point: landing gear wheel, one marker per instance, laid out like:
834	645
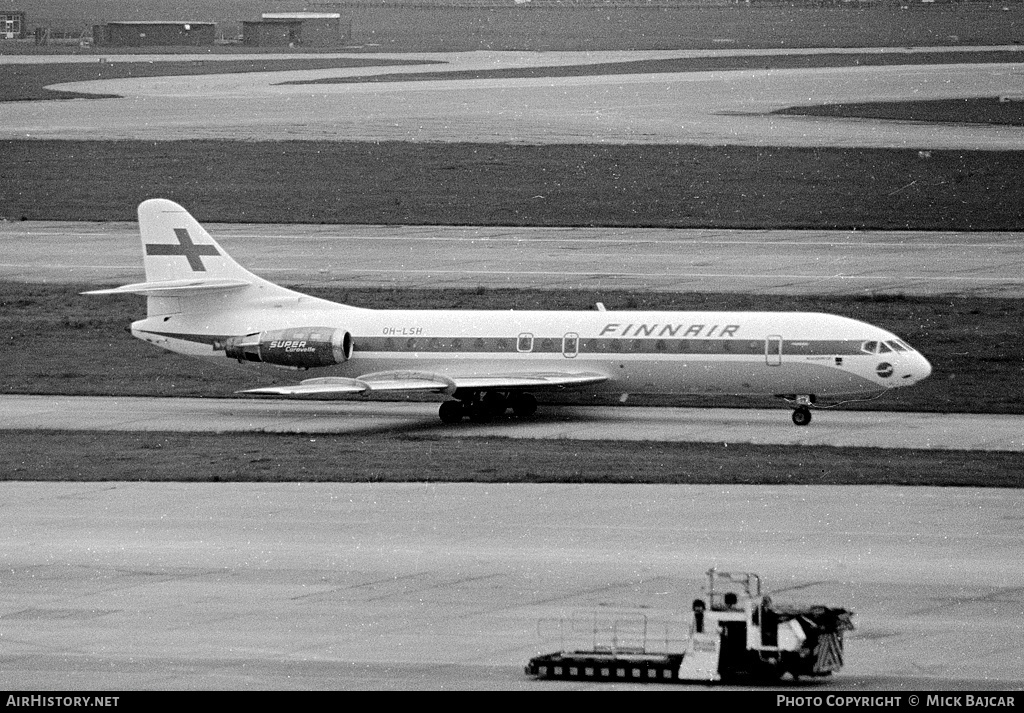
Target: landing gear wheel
801	416
523	405
479	412
451	411
495	403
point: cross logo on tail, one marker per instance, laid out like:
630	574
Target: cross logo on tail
184	247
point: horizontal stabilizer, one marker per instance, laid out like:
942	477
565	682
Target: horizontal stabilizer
173	288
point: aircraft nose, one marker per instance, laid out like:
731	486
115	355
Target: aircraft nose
920	368
925	367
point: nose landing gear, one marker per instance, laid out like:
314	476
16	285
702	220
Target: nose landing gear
801	415
801	407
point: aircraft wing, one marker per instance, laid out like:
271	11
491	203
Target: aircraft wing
411	381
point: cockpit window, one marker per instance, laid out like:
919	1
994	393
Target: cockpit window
895	344
869	347
884	348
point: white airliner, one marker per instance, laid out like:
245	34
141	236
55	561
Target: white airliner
202	303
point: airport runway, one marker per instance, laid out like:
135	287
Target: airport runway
134	586
710	108
871	429
759	261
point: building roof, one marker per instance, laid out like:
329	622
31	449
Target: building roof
273	21
158	22
301	15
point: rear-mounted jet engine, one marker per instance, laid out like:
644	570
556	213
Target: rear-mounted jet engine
302	348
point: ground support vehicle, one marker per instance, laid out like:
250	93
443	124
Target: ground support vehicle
736	634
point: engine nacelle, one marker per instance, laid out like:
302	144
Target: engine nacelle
300	348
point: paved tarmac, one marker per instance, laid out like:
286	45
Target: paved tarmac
711	108
872	429
486	59
761	261
130	586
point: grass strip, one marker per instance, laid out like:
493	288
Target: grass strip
402	183
989	110
59	456
28	82
694	64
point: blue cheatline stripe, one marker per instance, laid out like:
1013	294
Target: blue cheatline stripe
553	345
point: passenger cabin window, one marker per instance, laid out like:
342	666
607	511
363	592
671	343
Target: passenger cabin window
525	343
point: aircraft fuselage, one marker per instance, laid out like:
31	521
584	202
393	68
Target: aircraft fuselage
749	353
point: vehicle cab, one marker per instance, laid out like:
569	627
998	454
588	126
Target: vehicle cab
738	632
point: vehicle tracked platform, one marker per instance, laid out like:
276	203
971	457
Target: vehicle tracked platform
594	666
736	634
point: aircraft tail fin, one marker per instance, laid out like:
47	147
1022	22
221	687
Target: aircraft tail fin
187	270
176	247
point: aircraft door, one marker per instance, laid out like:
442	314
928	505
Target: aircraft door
773	350
570	345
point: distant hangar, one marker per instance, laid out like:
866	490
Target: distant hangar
273	29
154	33
294	29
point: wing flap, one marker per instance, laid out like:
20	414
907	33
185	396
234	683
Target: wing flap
411	381
533	380
313	387
408	381
381	382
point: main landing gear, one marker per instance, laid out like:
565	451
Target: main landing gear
801	408
485	407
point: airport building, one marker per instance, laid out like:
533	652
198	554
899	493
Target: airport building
12	25
153	34
294	29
